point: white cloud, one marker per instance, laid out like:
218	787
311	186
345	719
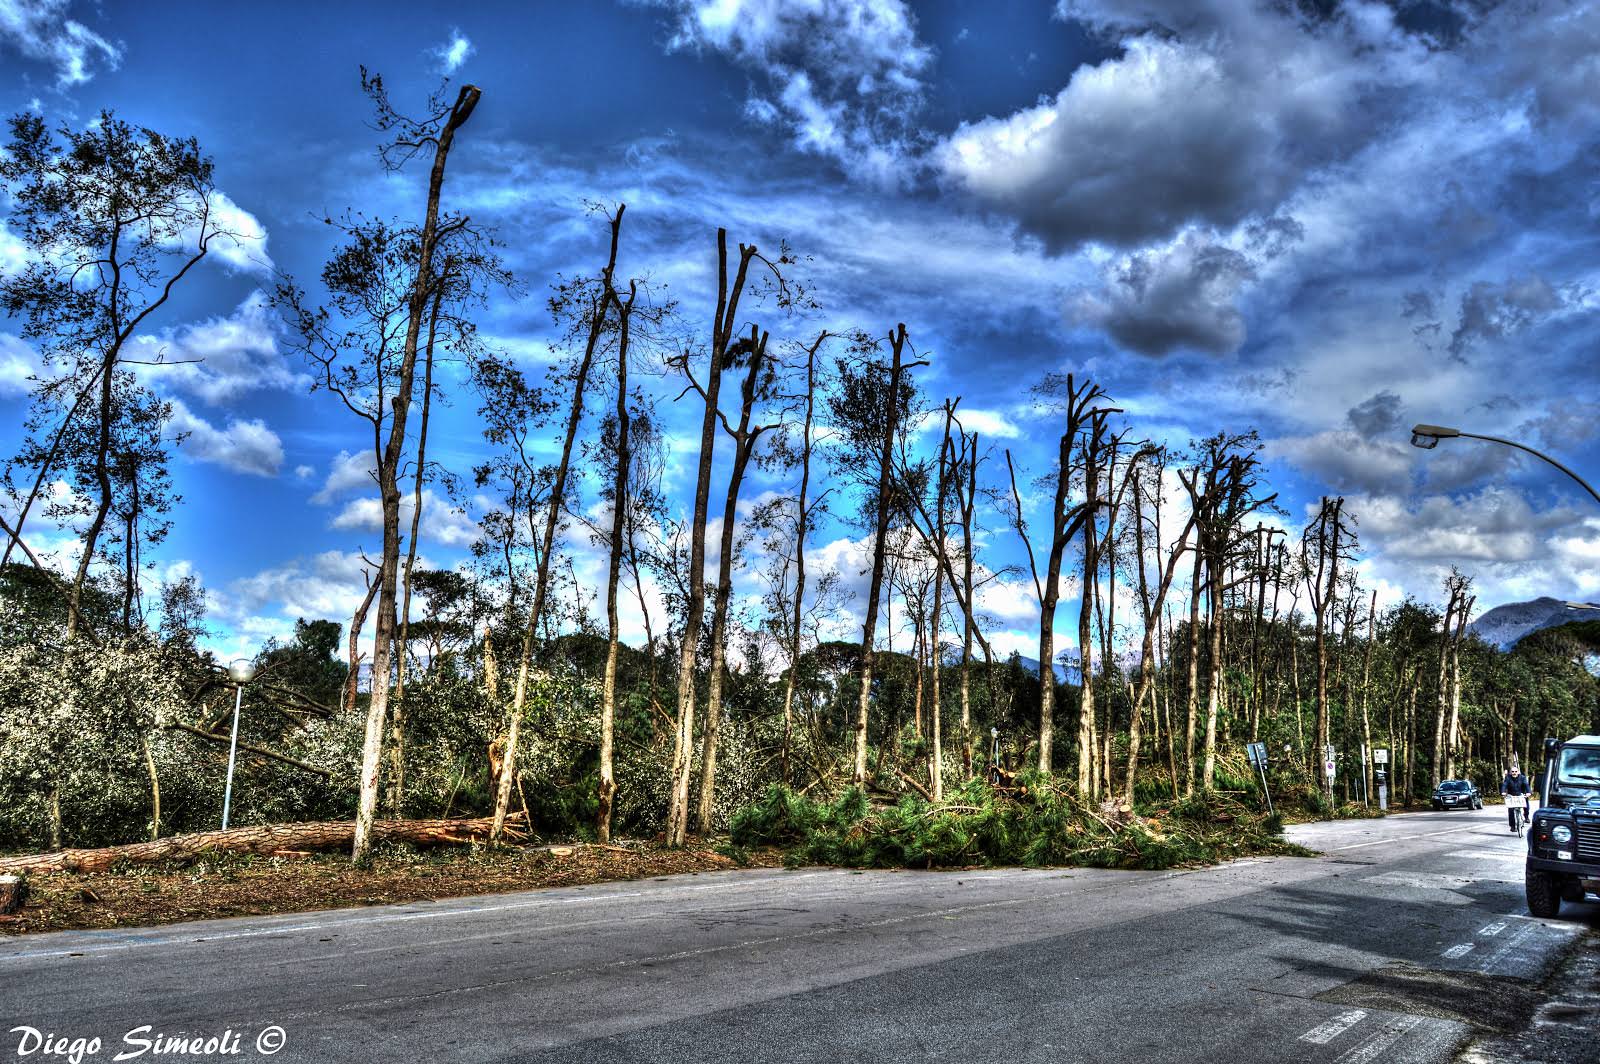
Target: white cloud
844	76
245	446
454	52
327	585
441	522
989	424
347	472
241	240
237	354
41	30
18	364
1511	549
13	252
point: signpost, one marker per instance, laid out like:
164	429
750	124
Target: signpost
1381	758
1258	758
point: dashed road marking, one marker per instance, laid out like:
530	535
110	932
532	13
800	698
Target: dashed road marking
1490	855
1324	1033
1421	880
1379	1042
1391	840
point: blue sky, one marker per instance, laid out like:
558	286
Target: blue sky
1321	227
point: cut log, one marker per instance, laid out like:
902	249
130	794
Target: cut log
264	839
13	892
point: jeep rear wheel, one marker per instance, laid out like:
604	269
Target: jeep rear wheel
1544	894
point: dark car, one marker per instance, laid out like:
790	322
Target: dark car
1564	839
1457	794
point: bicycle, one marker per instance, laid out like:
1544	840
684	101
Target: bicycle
1517	814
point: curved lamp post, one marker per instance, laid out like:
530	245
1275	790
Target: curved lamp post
1428	436
241	672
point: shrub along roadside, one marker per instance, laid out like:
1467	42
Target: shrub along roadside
1038	823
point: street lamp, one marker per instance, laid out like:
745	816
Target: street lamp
1427	437
241	672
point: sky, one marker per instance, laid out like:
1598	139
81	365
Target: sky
1322	221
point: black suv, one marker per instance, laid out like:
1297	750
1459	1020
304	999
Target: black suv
1457	794
1564	839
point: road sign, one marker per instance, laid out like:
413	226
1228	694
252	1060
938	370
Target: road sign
1258	758
1327	752
1380	757
1327	769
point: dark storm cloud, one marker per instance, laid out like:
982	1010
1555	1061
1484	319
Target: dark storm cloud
1378	415
1493	311
1176	298
1565	425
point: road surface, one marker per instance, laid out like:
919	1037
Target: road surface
1381	949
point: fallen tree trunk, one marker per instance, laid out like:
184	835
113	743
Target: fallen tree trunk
263	839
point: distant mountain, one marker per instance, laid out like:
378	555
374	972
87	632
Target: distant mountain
1504	625
1067	674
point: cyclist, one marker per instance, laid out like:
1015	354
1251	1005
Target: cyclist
1515	789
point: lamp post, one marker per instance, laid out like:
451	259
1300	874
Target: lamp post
1427	437
241	672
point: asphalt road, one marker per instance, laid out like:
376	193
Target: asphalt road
1363	954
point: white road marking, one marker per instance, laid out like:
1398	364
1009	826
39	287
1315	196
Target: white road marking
1379	1042
1493	929
1489	855
1421	880
1462	950
1404	838
1324	1033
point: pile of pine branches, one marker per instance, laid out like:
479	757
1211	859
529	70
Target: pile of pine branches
1038	822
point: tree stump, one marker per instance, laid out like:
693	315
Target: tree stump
13	892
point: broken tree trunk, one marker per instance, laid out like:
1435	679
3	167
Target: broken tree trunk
264	839
13	892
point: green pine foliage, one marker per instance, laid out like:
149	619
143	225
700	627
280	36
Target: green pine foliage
1039	823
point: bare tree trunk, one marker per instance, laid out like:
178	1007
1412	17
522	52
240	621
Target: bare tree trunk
802	522
744	443
897	342
358	621
1454	740
619	510
1217	608
1193	691
389	486
967	608
102	478
683	738
1366	680
155	790
397	748
56	832
546	545
1442	705
936	764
